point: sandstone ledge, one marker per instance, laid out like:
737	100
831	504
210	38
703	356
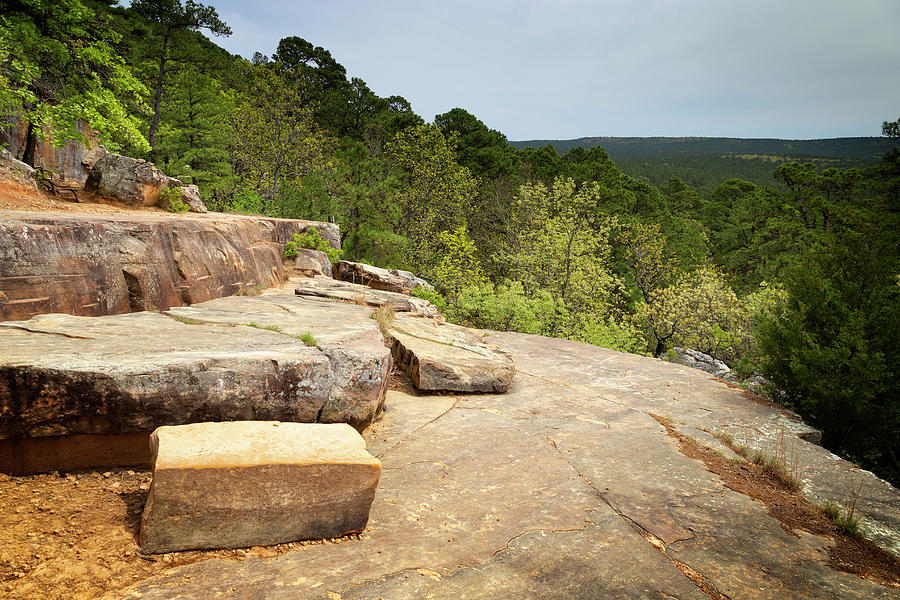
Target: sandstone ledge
93	265
61	375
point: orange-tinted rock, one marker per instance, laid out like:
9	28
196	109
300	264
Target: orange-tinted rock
231	485
96	265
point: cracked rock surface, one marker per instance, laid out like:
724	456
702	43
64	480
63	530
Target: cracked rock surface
564	487
61	374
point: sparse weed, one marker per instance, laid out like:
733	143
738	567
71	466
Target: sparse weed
832	510
384	316
185	320
254	290
308	339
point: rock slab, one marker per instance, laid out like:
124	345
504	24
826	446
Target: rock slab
441	356
93	265
389	280
61	374
232	485
325	287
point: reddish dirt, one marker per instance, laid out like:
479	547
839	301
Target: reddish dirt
74	535
15	198
850	553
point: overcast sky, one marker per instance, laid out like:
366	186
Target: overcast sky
541	69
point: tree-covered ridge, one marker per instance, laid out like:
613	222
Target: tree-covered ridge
869	149
793	272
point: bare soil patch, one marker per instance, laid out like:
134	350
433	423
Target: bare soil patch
15	198
74	535
850	553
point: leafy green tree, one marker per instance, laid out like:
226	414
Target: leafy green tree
832	349
273	136
169	18
559	249
891	128
434	191
191	144
58	67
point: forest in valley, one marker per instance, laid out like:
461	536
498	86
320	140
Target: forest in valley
793	272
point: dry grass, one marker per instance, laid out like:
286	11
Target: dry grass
384	316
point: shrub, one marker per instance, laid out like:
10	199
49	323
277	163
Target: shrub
171	198
431	296
310	239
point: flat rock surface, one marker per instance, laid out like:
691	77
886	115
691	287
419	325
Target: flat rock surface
442	356
61	374
248	483
326	287
344	334
551	491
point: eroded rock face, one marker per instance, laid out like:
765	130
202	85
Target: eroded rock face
358	361
61	374
234	485
16	174
312	262
441	356
99	265
325	287
127	180
67	166
389	280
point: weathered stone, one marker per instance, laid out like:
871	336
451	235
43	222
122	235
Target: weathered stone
345	334
127	180
312	262
190	195
389	280
99	265
230	485
15	174
67	166
61	374
441	356
325	287
704	362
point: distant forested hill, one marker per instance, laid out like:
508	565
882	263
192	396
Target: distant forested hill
705	163
869	149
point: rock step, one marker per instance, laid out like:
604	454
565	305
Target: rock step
63	375
93	265
441	356
326	287
232	485
389	280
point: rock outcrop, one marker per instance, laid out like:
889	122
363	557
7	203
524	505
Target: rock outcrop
15	174
441	356
96	265
136	182
325	287
310	263
389	280
704	362
345	334
61	374
66	167
234	485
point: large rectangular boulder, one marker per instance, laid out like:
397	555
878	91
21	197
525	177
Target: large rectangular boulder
231	485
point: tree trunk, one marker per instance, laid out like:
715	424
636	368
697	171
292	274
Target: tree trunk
30	145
